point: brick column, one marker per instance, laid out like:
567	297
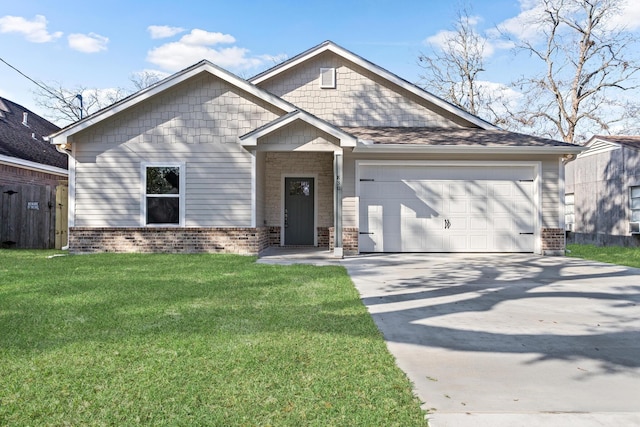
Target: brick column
553	241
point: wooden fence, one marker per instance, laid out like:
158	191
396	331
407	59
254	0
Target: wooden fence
28	216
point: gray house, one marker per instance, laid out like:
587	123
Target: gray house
602	192
326	149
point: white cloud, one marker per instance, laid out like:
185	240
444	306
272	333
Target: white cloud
205	38
442	39
88	43
163	31
629	16
35	30
199	45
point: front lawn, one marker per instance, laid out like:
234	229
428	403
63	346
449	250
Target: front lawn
611	254
216	340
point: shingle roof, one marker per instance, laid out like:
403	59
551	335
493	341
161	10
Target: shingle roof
25	142
450	137
628	140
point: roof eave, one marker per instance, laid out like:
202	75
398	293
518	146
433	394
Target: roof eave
251	139
181	76
463	149
27	164
330	46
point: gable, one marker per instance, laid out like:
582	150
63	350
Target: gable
203	109
362	94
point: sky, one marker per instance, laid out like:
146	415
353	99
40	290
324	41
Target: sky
101	44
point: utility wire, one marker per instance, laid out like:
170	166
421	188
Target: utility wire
40	85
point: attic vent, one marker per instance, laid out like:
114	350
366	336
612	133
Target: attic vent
328	78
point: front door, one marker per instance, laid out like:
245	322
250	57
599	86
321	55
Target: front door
298	211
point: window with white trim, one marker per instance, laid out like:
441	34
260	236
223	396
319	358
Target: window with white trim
569	211
328	78
163	188
634	201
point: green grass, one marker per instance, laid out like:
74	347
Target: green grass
133	339
611	254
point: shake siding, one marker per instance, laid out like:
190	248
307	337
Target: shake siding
360	98
196	123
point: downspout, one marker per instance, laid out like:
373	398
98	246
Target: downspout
337	174
60	149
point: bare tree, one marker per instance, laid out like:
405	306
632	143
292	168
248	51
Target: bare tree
587	67
67	105
144	79
452	69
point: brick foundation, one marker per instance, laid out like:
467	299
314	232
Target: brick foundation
244	241
349	240
322	236
553	241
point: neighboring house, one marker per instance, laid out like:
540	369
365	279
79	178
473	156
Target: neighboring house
602	192
325	149
33	181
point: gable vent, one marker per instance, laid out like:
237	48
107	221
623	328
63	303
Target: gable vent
327	78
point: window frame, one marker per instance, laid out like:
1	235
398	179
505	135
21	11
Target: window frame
569	225
181	194
332	73
631	199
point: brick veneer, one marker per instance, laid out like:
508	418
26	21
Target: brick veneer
245	241
349	240
553	241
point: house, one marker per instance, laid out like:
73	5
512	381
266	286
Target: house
602	192
326	149
33	181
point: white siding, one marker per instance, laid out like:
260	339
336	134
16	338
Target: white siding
197	123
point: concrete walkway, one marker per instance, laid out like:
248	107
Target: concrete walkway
510	340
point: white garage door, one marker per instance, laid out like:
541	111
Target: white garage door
446	209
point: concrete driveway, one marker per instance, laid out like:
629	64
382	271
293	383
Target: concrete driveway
510	340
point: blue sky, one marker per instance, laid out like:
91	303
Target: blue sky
100	44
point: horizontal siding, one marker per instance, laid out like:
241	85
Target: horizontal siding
109	183
551	194
197	123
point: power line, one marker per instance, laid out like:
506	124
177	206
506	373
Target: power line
40	85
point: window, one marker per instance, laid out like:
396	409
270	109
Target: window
328	78
569	211
163	194
635	204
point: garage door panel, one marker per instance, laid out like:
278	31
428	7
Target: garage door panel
447	209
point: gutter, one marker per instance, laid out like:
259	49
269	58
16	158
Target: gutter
368	147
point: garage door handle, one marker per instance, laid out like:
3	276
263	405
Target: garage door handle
366	232
447	224
527	233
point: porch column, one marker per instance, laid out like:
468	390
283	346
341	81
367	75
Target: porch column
337	204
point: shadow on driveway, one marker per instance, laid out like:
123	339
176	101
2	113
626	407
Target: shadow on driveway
496	333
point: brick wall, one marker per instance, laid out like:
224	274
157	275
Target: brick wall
304	164
244	241
349	240
553	241
14	175
323	237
